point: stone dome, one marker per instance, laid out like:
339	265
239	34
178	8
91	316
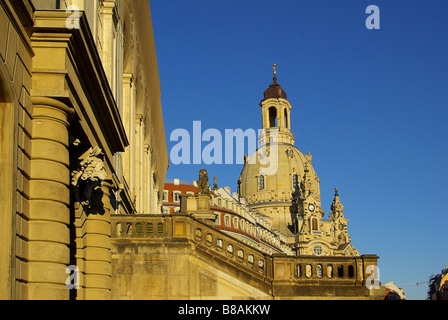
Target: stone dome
276	197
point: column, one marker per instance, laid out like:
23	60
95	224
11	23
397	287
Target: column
129	125
97	250
107	53
139	164
93	188
49	236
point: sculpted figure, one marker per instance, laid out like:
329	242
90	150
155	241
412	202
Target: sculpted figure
203	182
90	173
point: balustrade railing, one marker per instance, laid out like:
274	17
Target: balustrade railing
300	269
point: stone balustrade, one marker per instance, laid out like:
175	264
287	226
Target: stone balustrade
168	227
347	271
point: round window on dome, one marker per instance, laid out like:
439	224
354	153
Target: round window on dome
317	250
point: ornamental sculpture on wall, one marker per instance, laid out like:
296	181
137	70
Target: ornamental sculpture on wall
90	173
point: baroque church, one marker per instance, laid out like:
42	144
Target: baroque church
290	197
86	211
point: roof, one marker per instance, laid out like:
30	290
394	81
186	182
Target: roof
275	91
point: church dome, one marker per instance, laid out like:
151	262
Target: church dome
289	162
275	91
273	196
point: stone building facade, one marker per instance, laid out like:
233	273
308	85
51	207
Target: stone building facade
81	121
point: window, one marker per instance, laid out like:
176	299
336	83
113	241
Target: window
272	117
217	219
209	240
198	234
176	196
308	271
139	229
286	119
235	222
298	270
295	181
219	243
319	271
241	254
351	271
160	229
330	271
227	221
250	259
317	250
314	224
230	249
261	183
149	229
219	202
165	195
340	271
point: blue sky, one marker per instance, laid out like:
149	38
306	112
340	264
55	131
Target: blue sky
370	105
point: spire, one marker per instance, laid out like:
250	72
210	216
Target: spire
215	184
305	185
337	208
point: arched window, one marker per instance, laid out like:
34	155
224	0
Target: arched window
209	240
227	220
286	119
149	229
340	271
319	271
295	181
314	224
272	117
308	271
298	270
330	271
219	243
139	229
351	271
261	183
160	229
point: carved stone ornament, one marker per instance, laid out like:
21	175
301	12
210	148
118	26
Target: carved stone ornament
337	208
90	173
203	182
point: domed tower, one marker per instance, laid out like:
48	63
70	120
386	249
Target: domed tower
279	181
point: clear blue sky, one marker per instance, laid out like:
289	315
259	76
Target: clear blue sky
370	105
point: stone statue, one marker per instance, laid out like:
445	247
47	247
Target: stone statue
90	173
203	182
